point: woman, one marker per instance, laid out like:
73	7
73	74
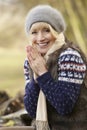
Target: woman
56	67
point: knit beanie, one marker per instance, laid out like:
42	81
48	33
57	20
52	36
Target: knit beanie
47	14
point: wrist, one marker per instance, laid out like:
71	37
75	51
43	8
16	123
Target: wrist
43	72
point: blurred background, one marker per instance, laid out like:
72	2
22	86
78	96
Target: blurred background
13	39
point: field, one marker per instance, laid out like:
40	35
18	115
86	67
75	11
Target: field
12	52
11	71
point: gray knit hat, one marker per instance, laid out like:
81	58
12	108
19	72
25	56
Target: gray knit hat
45	13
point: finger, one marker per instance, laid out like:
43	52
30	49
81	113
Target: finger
34	53
28	48
28	51
30	61
29	57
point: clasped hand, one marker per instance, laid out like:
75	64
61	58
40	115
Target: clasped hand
36	61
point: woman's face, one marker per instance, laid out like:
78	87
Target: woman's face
41	37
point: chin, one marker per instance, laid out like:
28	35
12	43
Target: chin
42	52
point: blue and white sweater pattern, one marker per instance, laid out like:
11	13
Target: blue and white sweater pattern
61	94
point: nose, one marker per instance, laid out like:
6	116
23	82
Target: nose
40	37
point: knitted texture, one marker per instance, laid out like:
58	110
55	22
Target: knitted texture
45	13
62	94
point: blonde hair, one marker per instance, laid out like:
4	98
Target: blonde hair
54	32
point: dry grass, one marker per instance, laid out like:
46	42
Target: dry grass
12	53
11	71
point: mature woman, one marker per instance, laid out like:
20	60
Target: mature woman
55	67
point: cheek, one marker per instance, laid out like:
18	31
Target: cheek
51	37
33	40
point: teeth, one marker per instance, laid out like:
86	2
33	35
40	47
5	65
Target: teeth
43	44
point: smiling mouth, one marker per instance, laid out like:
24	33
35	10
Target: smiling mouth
43	44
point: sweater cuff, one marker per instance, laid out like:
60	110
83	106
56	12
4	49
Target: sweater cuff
32	85
44	78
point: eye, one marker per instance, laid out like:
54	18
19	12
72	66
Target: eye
46	29
33	32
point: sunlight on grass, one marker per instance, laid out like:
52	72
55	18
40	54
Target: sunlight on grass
11	71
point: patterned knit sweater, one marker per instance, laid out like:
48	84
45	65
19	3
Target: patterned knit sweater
61	94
